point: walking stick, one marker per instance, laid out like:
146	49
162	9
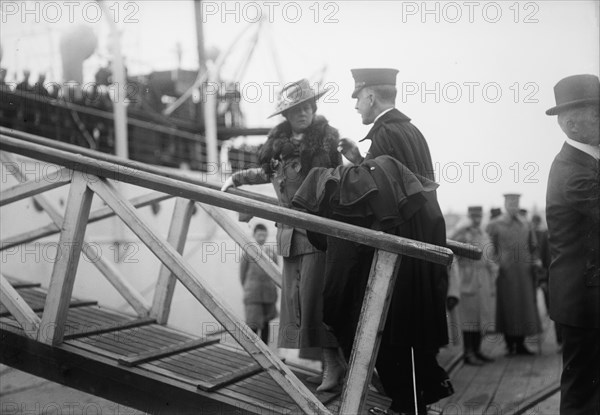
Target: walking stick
414	378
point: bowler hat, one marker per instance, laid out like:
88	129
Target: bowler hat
575	91
371	77
295	94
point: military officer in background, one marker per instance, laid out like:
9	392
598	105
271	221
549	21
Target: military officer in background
477	279
516	307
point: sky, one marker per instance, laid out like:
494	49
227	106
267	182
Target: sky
475	77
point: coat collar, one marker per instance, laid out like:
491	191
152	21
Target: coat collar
506	218
393	116
577	156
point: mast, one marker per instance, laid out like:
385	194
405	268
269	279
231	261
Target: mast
209	92
119	78
199	35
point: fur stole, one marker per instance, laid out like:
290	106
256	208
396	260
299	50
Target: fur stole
317	149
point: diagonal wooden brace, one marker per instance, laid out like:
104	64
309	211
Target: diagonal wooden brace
167	254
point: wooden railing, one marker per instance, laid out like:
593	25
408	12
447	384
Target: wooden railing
92	173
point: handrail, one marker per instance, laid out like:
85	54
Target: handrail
458	248
159	182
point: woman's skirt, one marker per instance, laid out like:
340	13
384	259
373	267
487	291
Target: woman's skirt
301	312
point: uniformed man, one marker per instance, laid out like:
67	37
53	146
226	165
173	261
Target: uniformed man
516	308
417	315
477	279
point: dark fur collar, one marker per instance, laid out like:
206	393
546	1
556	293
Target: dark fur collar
317	149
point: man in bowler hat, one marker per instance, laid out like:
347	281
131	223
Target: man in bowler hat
416	320
573	216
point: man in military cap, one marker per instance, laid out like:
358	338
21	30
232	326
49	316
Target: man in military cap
573	216
416	319
392	133
515	246
495	212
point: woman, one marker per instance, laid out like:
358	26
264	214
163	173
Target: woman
303	141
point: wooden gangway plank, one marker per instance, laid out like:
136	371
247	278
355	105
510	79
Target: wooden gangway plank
17	283
93	175
104	337
36	298
165	351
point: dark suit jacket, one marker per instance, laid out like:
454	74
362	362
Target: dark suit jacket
573	215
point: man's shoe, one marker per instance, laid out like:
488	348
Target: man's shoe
472	361
511	350
483	358
523	351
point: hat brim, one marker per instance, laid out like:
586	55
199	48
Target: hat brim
572	104
309	98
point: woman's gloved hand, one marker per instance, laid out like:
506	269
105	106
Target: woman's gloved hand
228	183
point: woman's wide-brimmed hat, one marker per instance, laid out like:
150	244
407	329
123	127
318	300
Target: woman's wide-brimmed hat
295	94
575	91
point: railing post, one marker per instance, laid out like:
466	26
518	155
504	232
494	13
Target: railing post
112	274
67	259
378	295
165	286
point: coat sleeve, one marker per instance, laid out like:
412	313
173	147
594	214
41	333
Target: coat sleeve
583	193
492	232
250	176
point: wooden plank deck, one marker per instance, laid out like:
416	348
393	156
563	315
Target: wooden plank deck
107	342
225	376
507	385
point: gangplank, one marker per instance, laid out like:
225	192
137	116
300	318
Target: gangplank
138	360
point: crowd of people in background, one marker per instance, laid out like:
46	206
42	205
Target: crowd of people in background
25	106
498	294
81	114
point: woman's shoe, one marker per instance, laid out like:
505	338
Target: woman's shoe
523	351
483	358
471	360
316	379
334	369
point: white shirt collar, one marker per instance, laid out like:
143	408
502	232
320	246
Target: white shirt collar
593	151
382	114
